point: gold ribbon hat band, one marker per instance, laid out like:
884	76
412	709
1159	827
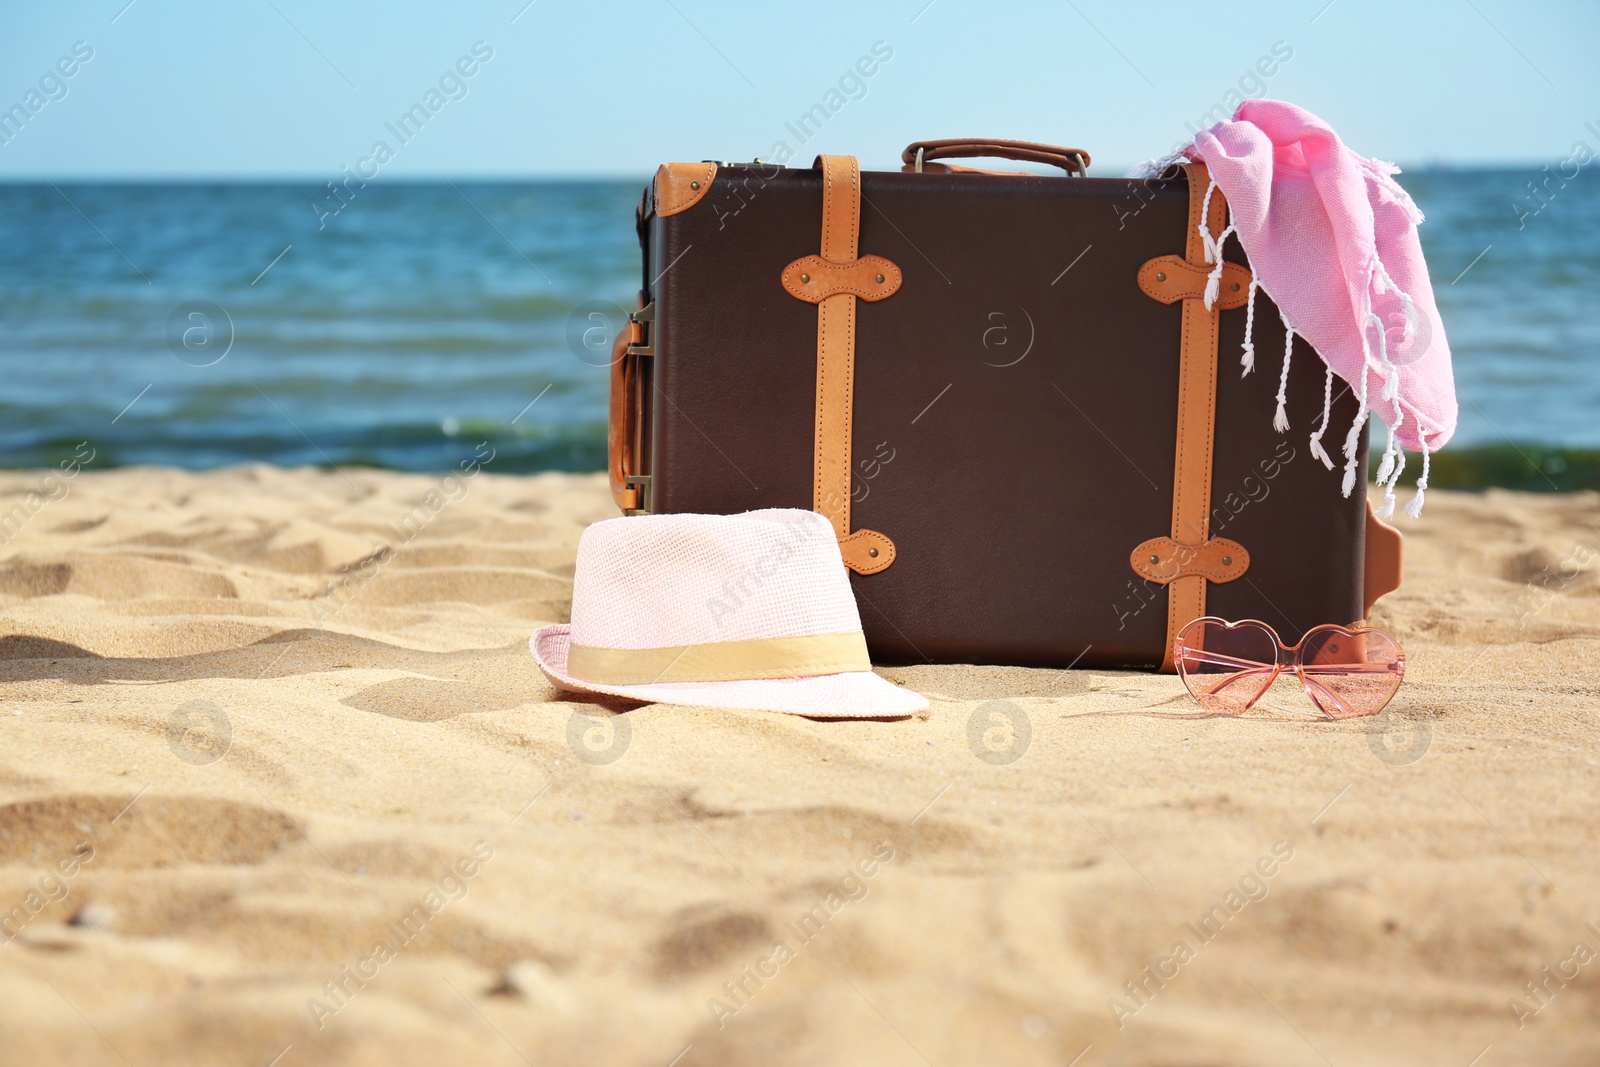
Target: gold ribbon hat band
722	661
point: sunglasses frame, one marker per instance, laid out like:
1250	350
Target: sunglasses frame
1288	659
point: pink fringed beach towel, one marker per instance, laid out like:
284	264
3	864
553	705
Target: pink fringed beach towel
1332	238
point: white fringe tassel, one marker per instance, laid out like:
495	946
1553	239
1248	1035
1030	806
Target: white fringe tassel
1386	283
1387	508
1414	505
1379	282
1247	357
1317	451
1208	242
1214	279
1155	168
1394	461
1280	418
1352	439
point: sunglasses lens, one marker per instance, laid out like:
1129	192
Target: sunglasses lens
1226	668
1350	674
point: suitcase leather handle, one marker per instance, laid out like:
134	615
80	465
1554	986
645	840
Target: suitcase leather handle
625	427
619	420
917	153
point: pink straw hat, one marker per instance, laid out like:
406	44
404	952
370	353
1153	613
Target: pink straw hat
726	611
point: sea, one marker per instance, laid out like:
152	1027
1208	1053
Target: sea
206	324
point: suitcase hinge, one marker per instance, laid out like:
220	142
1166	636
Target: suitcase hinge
641	325
637	501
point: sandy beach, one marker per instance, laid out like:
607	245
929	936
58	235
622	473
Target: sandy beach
281	785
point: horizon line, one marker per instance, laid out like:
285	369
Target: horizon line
177	177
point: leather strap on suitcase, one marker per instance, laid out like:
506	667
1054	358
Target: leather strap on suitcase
1190	557
1197	413
834	281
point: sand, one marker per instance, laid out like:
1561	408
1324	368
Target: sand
280	784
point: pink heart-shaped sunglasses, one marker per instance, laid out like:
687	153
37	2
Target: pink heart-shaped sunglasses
1347	671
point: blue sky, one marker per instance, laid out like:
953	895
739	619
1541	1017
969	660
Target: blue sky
293	88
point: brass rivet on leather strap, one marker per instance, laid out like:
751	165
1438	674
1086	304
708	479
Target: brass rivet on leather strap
880	279
806	278
694	185
1155	559
1161	275
1235	287
1227	561
872	552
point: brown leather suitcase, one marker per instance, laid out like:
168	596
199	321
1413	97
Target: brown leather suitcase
978	377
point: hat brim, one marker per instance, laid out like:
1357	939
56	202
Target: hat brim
854	695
